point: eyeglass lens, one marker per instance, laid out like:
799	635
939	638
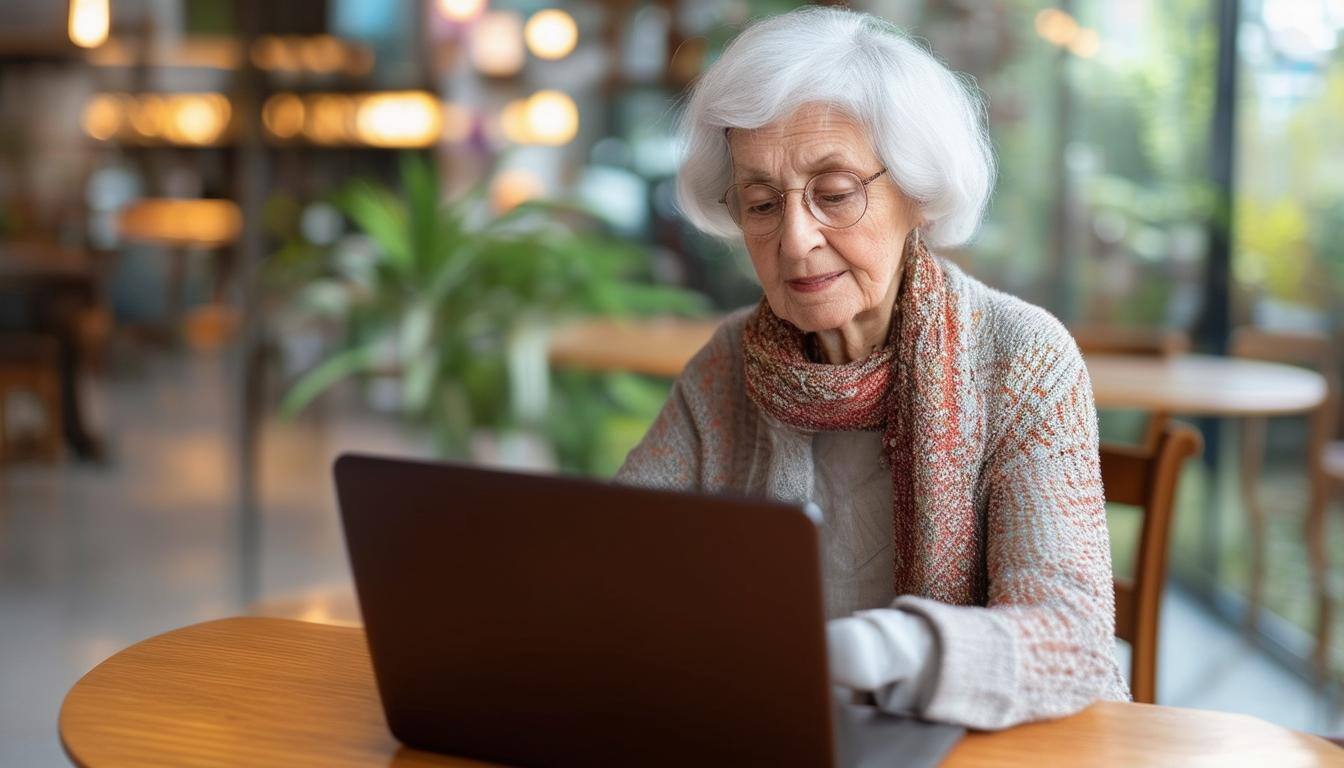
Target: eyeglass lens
837	199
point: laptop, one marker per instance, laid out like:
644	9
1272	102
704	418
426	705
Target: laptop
538	620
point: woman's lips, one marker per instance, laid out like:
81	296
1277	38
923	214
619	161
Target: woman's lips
814	283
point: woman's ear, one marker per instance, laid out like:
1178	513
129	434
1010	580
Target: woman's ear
915	214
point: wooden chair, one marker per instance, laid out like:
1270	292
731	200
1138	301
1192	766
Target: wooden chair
1146	476
1115	340
1143	342
29	363
1325	468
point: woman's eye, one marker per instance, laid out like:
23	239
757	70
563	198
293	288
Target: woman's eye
833	198
764	208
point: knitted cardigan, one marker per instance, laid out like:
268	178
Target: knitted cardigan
1035	639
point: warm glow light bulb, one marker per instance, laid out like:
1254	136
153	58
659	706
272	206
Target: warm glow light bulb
323	54
461	10
552	118
89	22
148	116
1055	26
283	115
399	119
514	122
551	34
513	187
103	117
497	44
1086	43
327	119
198	119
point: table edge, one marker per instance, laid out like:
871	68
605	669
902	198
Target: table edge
232	620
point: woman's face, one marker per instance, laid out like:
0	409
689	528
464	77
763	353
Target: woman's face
821	278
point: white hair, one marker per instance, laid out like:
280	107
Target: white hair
926	124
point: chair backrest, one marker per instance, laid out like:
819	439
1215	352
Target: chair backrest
1146	477
1312	350
1117	340
1146	342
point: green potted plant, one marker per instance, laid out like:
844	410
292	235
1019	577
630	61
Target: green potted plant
454	302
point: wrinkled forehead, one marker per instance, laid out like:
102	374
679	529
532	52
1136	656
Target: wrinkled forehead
811	138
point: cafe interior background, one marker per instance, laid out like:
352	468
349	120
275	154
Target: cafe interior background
238	238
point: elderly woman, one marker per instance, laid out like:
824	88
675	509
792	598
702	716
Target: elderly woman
946	430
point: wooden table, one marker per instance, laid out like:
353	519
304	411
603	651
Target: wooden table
180	226
262	692
183	223
1192	385
1204	385
658	347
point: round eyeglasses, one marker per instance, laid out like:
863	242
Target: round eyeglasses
837	199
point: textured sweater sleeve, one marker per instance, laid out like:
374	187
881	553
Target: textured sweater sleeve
1043	646
668	456
690	445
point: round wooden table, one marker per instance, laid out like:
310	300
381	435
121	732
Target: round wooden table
274	692
1204	385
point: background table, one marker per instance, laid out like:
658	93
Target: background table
1203	385
262	692
659	347
180	227
1192	385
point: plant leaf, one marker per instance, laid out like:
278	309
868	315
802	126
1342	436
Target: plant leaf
327	373
382	216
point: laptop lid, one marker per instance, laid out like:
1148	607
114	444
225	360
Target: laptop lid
531	619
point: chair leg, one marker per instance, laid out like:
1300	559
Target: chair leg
1314	532
4	422
1252	455
1143	671
1323	424
50	395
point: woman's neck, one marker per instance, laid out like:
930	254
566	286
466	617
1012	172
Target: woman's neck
861	336
849	342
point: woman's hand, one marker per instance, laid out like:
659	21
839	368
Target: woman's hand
887	652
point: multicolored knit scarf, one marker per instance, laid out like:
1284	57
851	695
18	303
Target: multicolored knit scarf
909	390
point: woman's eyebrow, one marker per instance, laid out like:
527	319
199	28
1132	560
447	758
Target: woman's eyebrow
825	161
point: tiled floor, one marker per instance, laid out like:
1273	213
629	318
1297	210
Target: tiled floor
95	558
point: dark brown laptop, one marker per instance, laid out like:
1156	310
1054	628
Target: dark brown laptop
550	621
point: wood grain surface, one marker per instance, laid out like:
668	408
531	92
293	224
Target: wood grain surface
273	692
236	692
1143	735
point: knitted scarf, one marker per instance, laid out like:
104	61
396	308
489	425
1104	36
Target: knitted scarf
909	390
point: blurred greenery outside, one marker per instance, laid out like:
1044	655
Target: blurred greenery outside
1137	154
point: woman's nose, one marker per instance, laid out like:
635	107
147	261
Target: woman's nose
800	232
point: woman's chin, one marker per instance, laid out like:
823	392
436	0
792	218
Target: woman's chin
817	311
814	320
